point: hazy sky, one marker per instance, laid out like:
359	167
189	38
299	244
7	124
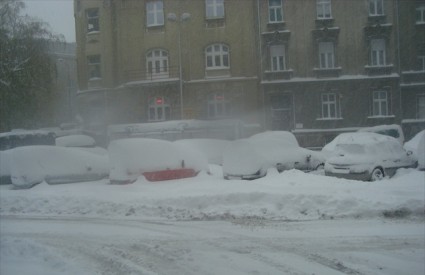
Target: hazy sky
58	13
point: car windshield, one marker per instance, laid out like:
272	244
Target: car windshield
351	148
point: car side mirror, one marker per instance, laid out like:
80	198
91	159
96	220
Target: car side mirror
308	157
409	153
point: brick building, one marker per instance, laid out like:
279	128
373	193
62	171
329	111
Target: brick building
314	67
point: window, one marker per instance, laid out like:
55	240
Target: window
326	55
377	52
275	11
329	105
323	9
421	62
218	106
154	13
380	103
92	20
157	64
217	56
421	106
214	8
277	54
159	109
93	62
376	7
420	14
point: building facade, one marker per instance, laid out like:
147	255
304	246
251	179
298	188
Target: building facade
314	67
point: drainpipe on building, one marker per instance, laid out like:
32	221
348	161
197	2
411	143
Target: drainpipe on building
260	54
397	14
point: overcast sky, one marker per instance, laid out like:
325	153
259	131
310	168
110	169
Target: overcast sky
58	13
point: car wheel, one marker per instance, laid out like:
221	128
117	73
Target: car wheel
377	174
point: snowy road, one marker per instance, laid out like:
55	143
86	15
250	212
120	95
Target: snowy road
60	245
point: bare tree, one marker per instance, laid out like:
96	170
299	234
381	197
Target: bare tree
26	70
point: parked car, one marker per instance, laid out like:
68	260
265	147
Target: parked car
251	158
155	159
417	146
20	137
366	156
30	165
213	149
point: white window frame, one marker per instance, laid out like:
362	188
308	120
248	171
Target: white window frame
378	52
420	106
92	20
380	103
217	56
157	64
326	55
376	8
214	9
330	106
154	13
421	60
275	11
159	109
420	14
277	58
218	106
324	9
94	67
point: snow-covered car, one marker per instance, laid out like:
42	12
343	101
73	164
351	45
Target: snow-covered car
417	146
213	149
30	165
366	156
155	159
251	158
21	137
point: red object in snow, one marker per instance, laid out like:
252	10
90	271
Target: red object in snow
170	174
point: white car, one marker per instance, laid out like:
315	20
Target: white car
366	156
155	159
251	158
30	165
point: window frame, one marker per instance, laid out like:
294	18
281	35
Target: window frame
321	7
93	20
161	111
326	51
222	55
152	60
277	62
420	109
329	105
157	12
421	62
374	6
421	11
217	8
379	102
378	52
94	63
220	104
276	11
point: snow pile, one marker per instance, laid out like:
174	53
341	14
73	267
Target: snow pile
291	195
75	141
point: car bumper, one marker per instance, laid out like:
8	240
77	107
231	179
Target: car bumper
363	176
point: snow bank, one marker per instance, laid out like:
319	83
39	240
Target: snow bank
291	195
